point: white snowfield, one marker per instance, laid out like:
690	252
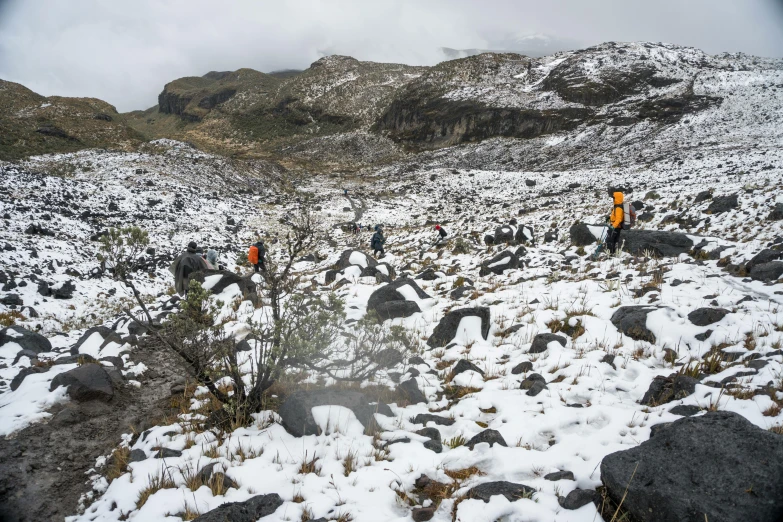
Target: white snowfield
590	407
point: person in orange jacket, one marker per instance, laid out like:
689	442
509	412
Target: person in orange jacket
616	219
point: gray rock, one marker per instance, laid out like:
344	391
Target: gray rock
463	365
771	271
522	367
541	342
460	292
446	329
685	410
491	437
137	455
395	309
26	339
431	433
345	257
722	204
167	453
64	291
777	213
765	256
388	293
660	242
707	316
717	466
525	234
246	284
632	321
422	514
704	195
85	383
24	372
434	445
11	300
559	475
410	390
703	336
105	332
504	234
666	389
536	388
248	511
581	235
578	498
505	260
509	490
297	416
424	418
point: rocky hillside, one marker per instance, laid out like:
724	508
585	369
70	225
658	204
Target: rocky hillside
32	124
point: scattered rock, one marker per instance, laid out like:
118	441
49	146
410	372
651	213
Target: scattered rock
463	365
505	260
447	328
491	437
247	511
424	418
685	410
167	453
522	367
24	372
388	293
355	258
541	342
659	242
581	235
509	490
85	383
722	204
504	234
717	466
707	316
777	213
137	455
559	475
667	389
26	339
771	271
410	390
578	498
434	445
245	284
632	321
297	416
703	336
422	514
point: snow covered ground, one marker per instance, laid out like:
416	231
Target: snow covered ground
590	407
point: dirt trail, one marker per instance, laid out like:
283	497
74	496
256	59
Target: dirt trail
42	468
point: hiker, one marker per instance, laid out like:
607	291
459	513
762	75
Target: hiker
616	219
256	256
441	234
212	260
185	264
345	192
377	242
354	228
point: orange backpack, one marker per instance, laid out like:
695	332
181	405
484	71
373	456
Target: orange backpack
252	255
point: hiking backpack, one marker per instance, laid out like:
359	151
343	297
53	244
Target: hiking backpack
252	255
629	215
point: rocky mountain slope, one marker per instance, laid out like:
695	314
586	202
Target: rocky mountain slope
539	380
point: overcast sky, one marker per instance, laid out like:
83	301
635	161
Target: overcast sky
124	51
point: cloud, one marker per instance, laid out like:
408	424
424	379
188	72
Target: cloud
124	51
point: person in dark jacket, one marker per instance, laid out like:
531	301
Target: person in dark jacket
261	265
377	241
185	264
441	234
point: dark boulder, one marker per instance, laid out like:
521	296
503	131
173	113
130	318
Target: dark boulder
11	300
345	259
463	365
447	327
248	511
297	416
410	391
388	293
167	453
722	204
657	242
578	498
666	389
765	256
491	437
137	455
717	466
424	418
433	445
777	213
707	316
26	339
489	240
460	292
541	342
395	309
534	384
63	291
522	367
19	377
504	234
525	235
509	490
245	284
85	383
559	475
106	333
530	182
685	410
550	236
704	195
581	235
771	271
505	260
632	321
